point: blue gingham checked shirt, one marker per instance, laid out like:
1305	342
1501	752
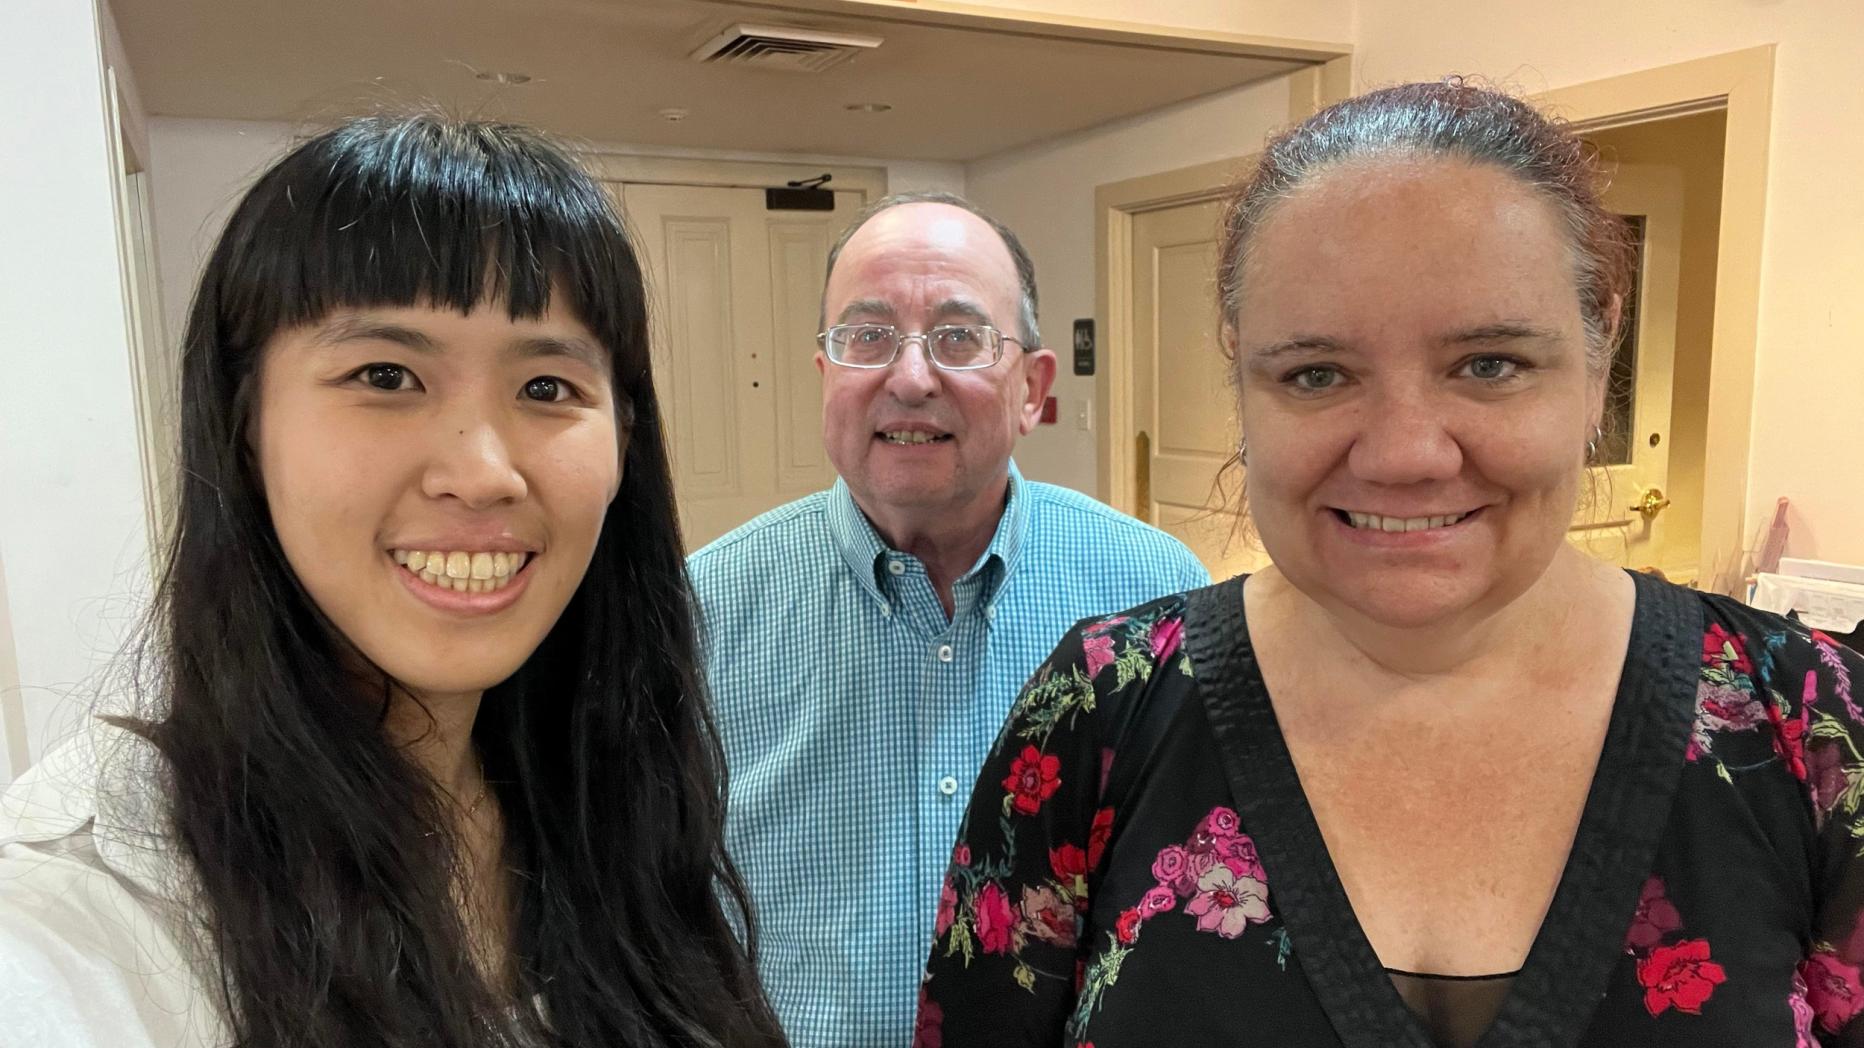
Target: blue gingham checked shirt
855	718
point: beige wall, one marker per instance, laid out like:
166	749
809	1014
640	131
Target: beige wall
1318	20
1692	145
1809	383
1045	193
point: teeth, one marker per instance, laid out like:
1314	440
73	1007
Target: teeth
908	437
1374	522
460	570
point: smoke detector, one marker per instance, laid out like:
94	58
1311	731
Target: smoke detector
783	47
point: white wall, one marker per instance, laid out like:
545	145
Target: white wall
1045	193
72	524
1808	436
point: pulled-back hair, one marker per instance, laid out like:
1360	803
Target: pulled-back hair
324	860
1456	119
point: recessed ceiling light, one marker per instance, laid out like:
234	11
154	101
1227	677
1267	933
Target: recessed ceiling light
867	107
491	76
674	114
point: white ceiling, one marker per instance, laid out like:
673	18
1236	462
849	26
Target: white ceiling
604	69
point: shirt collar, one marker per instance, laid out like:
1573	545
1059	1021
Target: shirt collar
861	546
112	780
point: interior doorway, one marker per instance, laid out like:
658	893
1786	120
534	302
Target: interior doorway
735	291
1647	498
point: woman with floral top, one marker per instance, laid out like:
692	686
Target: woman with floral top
1437	778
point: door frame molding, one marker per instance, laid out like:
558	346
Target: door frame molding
1115	206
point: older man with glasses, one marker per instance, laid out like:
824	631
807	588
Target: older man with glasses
863	644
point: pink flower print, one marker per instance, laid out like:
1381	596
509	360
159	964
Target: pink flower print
961	855
1170	868
1802	1015
1099	652
1220	823
1047	917
1656	917
947	909
1196	865
1841	676
1239	854
995	920
1226	903
1825	773
1158	899
1166	637
1721	709
1832	988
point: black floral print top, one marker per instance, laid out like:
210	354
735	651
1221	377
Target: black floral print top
1139	865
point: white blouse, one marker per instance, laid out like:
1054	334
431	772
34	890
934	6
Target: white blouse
97	949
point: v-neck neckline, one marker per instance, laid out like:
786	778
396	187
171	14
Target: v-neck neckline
1552	999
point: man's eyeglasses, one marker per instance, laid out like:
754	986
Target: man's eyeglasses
952	347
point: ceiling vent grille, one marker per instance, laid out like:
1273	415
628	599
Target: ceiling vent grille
788	48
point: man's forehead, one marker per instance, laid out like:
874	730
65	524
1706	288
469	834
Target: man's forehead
925	238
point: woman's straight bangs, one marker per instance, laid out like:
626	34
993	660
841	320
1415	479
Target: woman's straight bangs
423	212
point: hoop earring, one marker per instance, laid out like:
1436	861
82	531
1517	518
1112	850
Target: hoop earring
1242	452
1592	446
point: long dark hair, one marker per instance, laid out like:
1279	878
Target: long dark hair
324	864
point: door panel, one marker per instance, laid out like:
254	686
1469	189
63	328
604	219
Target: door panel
798	257
735	296
1183	402
698	323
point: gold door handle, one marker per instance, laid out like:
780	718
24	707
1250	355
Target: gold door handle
1651	504
1142	476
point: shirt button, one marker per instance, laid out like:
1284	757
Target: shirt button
898	567
944	653
948	785
990	611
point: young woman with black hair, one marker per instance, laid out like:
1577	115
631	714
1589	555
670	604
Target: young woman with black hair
420	756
